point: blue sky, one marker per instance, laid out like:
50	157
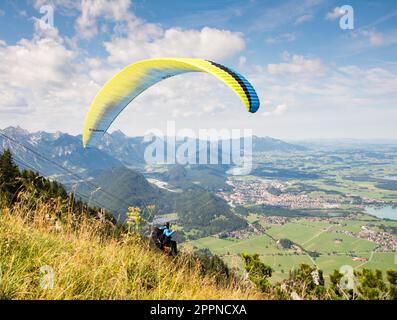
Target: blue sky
314	79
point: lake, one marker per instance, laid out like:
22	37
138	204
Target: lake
392	178
388	212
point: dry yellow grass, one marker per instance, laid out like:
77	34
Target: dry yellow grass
89	265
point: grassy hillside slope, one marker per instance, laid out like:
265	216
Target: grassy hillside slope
88	264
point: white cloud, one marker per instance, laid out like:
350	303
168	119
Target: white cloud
285	55
151	41
91	10
364	39
304	18
298	65
285	37
346	101
35	64
48	82
373	82
336	13
192	95
70	4
68	8
372	38
285	12
13	102
242	61
42	82
181	113
278	111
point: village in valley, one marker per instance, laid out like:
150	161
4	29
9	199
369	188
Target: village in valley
319	219
272	193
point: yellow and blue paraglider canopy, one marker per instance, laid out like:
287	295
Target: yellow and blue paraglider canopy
126	85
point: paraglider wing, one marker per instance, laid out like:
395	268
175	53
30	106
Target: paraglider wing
118	92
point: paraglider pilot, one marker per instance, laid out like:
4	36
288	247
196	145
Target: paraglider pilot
166	238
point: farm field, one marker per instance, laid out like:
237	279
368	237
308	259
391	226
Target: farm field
383	261
328	242
258	244
317	199
283	264
335	249
339	172
296	232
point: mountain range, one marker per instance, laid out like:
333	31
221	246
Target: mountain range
113	176
116	149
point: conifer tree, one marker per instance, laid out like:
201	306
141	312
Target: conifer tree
9	174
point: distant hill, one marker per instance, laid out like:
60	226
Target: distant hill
209	177
204	214
43	227
115	149
121	188
59	148
128	150
264	144
197	208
